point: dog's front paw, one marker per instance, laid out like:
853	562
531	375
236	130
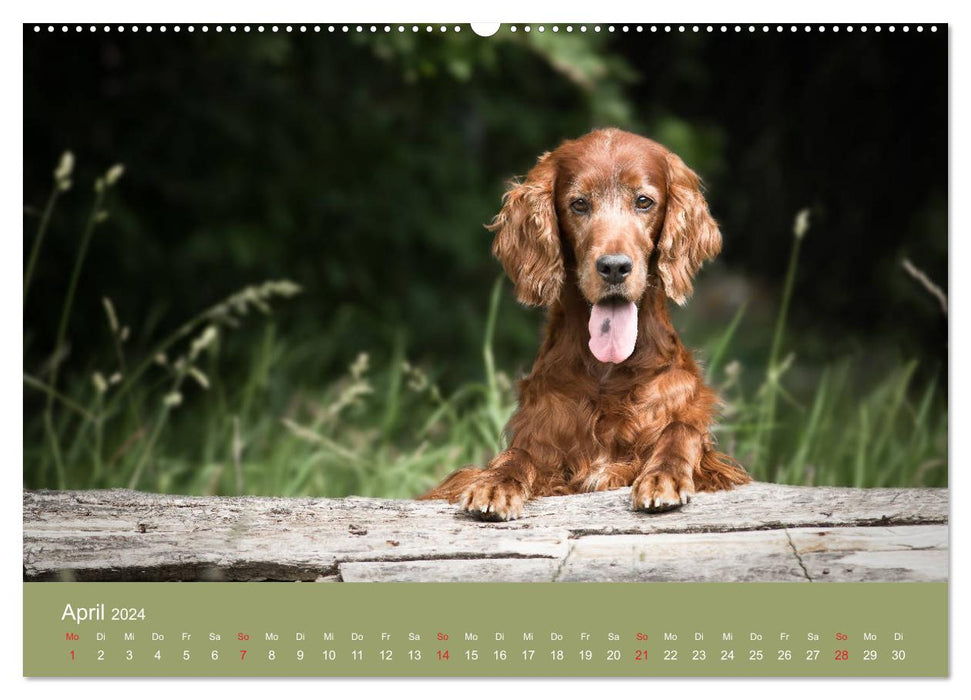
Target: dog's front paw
661	489
492	498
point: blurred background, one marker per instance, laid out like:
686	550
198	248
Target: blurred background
286	288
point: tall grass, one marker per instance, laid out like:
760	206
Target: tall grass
172	419
893	433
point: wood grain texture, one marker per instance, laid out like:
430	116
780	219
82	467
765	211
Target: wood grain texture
760	532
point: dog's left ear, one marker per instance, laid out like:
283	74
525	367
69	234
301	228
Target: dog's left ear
689	236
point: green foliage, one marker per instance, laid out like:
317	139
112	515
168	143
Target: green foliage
890	434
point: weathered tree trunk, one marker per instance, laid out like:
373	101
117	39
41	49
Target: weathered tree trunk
760	532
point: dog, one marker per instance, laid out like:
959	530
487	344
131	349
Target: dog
602	232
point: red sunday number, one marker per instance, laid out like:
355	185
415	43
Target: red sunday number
842	655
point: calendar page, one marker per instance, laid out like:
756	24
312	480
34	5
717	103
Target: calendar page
512	350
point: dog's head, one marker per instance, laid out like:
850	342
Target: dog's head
617	212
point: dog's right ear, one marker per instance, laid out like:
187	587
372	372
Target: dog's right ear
527	241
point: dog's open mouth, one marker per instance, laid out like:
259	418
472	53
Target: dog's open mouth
613	329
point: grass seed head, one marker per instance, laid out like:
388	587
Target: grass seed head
201	379
801	224
99	382
114	174
62	174
110	313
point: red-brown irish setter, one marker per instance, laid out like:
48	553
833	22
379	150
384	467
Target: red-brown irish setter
602	230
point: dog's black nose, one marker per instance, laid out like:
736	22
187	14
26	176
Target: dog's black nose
614	268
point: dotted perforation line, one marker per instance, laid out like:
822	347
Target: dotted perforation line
734	28
258	28
443	29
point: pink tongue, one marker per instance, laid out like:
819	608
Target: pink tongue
613	331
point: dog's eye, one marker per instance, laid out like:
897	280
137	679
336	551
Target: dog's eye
580	206
643	203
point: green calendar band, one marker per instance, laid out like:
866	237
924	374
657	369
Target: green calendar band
501	629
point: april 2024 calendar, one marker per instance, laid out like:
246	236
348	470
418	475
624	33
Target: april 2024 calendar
222	496
428	629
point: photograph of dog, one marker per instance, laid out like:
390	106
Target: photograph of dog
603	231
260	279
